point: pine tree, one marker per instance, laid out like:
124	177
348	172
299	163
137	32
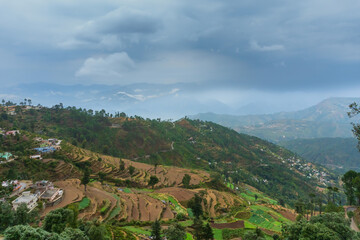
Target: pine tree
208	232
86	177
156	230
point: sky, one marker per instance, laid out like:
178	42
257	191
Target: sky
212	55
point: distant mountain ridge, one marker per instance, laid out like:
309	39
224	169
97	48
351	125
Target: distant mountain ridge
335	153
327	119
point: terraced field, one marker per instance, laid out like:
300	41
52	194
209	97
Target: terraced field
168	176
267	218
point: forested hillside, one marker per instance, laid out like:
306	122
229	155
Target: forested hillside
184	143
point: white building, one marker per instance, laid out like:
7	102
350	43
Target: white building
28	198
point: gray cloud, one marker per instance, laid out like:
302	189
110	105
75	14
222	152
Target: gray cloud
107	68
278	45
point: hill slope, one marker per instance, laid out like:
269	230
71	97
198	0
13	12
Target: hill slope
326	119
336	153
185	143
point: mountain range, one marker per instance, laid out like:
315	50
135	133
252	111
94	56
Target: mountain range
327	119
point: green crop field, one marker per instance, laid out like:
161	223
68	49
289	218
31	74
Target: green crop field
175	204
262	217
250	196
137	230
217	234
85	202
127	190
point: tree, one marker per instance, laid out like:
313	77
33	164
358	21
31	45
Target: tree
198	228
131	169
86	178
122	165
300	207
348	180
102	176
256	235
98	232
156	165
156	230
153	181
73	222
26	232
175	232
6	216
57	220
22	215
195	205
208	232
326	226
356	184
319	202
186	180
73	234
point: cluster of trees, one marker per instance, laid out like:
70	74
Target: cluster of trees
351	180
328	226
174	232
9	217
59	224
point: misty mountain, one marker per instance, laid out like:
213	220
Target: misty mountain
149	100
341	154
327	119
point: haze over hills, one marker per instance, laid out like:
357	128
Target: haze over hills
340	154
326	119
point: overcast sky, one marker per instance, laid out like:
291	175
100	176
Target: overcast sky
233	51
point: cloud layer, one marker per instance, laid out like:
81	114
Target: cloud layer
277	46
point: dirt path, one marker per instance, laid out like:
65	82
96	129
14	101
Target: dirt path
353	225
72	193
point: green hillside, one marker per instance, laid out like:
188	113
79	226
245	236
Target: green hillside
341	154
185	143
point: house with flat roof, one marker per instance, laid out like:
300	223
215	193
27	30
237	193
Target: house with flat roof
27	198
45	149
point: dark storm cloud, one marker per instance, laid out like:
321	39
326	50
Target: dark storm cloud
265	45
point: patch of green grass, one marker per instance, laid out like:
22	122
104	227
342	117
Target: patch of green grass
127	190
250	196
189	237
217	234
106	207
186	223
116	209
249	225
175	204
137	230
85	202
143	190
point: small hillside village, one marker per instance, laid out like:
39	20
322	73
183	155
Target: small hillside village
308	170
29	193
26	192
